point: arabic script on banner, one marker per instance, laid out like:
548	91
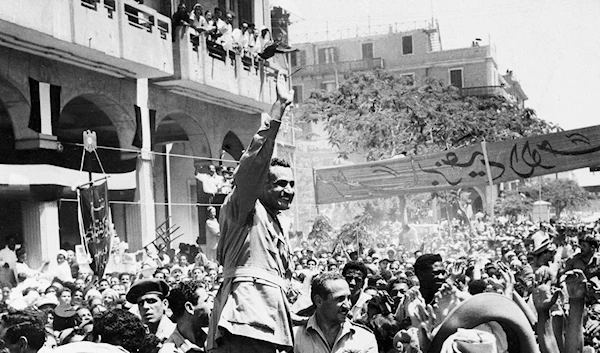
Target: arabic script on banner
96	224
460	168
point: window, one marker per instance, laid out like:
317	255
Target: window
456	78
327	55
367	51
408	79
246	11
407	45
298	94
298	58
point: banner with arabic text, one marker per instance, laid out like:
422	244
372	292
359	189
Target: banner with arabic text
460	168
95	224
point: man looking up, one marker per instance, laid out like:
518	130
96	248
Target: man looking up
191	306
251	312
150	297
355	273
328	329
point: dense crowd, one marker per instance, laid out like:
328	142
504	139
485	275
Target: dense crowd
217	27
400	296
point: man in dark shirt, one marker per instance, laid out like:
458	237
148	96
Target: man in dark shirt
180	18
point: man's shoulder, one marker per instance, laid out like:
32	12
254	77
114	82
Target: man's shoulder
360	328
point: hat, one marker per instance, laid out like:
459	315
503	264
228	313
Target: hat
49	300
63	253
509	254
147	286
391	251
541	243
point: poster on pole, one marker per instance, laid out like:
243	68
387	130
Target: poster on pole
95	224
460	168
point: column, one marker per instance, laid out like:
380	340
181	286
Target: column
145	187
40	231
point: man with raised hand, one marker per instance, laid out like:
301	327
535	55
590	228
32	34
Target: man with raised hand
251	312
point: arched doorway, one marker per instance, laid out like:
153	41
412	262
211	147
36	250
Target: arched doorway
178	141
233	146
11	221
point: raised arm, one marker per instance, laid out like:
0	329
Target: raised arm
543	300
255	162
576	288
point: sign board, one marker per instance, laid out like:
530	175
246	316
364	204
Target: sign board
460	168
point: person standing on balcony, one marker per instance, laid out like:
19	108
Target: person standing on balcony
226	31
197	19
180	18
241	37
251	312
219	22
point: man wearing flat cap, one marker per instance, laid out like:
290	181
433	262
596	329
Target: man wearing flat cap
150	296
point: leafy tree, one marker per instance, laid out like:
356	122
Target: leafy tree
512	204
321	229
357	230
379	115
561	193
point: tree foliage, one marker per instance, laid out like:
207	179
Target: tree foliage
512	204
321	229
380	115
561	193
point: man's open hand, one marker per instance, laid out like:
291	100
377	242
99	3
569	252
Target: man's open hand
284	95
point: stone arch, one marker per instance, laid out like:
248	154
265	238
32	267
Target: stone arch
96	112
232	145
178	126
13	106
174	180
479	200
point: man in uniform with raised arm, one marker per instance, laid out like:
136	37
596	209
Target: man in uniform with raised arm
251	312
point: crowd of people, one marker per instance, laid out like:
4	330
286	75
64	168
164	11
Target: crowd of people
218	27
475	287
549	271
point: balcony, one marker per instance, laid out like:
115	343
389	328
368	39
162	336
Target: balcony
341	67
118	37
206	70
488	91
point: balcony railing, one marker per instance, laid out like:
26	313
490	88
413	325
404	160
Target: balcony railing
205	69
488	91
343	66
118	37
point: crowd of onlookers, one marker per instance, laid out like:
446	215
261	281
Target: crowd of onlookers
218	27
401	292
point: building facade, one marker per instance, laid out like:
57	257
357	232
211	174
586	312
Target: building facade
162	106
412	50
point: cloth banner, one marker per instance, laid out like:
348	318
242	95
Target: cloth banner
95	224
460	168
